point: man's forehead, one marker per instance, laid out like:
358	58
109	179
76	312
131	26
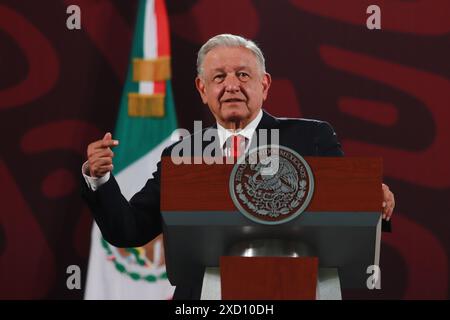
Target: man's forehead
230	67
236	57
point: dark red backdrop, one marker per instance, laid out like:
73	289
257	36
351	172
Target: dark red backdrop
386	93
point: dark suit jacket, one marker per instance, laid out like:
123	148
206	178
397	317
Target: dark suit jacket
135	223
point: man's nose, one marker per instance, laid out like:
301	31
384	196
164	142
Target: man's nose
232	84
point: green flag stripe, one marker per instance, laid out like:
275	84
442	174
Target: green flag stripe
138	136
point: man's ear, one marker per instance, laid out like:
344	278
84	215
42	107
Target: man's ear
266	81
200	85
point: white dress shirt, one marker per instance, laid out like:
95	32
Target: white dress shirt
247	132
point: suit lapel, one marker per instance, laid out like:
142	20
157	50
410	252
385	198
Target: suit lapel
263	132
267	121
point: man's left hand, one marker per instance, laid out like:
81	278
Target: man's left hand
388	202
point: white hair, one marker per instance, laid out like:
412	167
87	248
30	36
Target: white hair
229	40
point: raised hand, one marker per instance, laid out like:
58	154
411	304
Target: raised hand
100	156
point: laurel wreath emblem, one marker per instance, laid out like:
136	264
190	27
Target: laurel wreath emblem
272	197
123	269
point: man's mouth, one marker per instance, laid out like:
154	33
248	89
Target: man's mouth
232	100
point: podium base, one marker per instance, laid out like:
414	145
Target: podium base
328	285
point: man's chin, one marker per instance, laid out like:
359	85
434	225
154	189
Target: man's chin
235	116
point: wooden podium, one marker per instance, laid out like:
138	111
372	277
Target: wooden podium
341	228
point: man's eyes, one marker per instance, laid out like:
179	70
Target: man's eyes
243	76
219	78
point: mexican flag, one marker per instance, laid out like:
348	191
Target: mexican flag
144	126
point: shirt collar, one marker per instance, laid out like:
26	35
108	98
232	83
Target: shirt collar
247	132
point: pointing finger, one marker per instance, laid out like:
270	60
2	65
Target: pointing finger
109	143
107	136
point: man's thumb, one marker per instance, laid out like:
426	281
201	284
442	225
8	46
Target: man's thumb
107	136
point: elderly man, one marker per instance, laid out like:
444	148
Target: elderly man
233	82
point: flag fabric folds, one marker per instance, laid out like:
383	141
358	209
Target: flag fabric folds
145	122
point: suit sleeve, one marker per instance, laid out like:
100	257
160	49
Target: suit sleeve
328	145
123	223
326	141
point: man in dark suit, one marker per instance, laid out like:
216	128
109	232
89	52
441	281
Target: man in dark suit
233	82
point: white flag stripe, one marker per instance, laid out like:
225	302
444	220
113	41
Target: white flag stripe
150	43
135	273
104	282
132	178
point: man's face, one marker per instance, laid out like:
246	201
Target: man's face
233	85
